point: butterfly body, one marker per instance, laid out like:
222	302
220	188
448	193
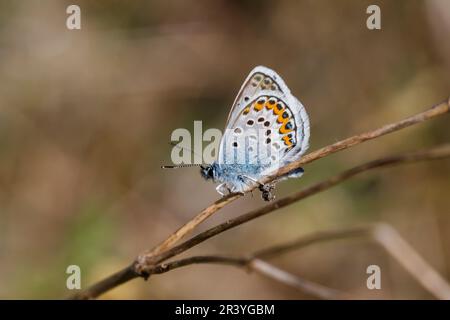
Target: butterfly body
266	129
232	177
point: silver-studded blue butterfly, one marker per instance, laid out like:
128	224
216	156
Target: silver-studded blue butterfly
266	129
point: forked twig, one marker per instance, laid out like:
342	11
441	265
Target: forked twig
437	110
147	260
383	234
430	154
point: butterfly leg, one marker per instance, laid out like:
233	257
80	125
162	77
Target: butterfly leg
222	189
243	177
266	189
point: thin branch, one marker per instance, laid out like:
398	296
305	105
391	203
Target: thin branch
114	280
431	154
261	267
267	253
398	248
382	233
192	224
317	237
147	269
254	263
437	110
166	249
306	286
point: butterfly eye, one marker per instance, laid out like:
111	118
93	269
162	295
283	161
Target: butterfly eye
267	81
246	98
261	119
268	132
268	140
235	144
250	122
267	123
238	130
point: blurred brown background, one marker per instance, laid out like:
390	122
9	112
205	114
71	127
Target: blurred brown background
86	117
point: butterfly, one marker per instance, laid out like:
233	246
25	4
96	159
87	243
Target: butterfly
266	129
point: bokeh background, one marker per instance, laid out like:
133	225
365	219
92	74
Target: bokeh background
86	118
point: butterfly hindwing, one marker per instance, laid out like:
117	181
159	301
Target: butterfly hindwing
302	130
269	131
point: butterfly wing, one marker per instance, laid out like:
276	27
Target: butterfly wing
298	143
270	131
259	79
267	127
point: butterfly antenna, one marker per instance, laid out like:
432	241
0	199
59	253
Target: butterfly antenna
181	166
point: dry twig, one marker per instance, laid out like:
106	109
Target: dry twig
383	234
437	110
146	261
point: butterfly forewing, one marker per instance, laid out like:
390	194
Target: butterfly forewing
259	79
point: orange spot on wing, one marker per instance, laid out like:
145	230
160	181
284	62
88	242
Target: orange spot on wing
270	104
287	141
283	128
258	106
282	120
278	112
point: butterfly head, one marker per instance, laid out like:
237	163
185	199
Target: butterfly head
208	171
